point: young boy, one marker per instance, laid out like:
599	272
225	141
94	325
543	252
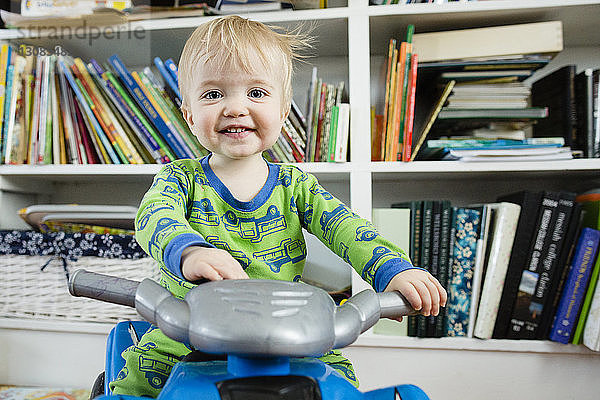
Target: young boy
232	215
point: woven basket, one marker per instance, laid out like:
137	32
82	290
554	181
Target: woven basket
29	292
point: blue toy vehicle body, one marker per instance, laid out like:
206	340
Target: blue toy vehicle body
265	373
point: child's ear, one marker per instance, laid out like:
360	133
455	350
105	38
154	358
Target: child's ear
187	115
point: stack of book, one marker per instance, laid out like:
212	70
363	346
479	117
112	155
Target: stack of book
488	150
523	267
56	109
392	130
474	79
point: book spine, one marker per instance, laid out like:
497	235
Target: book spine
5	51
434	270
167	76
410	115
548	277
425	256
402	64
525	314
343	125
443	264
467	222
172	68
388	90
145	104
505	227
591	329
587	302
333	127
575	286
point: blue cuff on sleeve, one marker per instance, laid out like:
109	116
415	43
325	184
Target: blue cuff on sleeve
172	253
388	270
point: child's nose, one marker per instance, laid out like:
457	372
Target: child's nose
235	107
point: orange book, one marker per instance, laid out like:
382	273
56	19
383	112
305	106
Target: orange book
410	113
388	83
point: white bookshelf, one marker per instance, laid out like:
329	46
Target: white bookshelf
351	43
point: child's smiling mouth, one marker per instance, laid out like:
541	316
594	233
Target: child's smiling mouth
236	132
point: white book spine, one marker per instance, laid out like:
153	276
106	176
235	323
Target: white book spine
507	218
591	331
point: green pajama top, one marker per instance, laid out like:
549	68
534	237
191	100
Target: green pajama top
188	205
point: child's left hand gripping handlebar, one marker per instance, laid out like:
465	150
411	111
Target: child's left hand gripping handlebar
279	318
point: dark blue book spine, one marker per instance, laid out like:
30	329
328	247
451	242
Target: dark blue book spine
148	108
575	286
167	76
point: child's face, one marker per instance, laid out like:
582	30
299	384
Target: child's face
233	113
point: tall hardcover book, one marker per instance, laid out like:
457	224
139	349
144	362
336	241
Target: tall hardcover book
494	41
575	286
550	270
444	267
526	312
506	218
530	203
556	91
584	108
467	221
566	255
425	256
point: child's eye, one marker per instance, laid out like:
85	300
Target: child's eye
211	95
256	93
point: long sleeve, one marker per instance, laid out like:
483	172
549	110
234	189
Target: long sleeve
351	237
161	225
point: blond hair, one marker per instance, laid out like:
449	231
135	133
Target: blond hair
232	42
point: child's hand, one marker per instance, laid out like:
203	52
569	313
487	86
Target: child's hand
421	289
209	263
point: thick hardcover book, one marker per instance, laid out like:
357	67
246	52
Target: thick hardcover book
434	264
530	203
506	218
575	286
483	237
467	222
526	311
566	255
443	271
138	94
556	91
494	41
425	256
550	270
584	107
416	209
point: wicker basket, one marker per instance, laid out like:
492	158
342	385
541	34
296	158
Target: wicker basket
29	291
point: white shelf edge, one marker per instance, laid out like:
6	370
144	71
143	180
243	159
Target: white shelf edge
483	6
456	343
55	326
139	169
443	167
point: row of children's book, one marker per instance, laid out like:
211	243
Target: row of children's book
523	267
58	109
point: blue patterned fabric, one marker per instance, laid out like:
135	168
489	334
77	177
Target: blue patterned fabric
466	222
69	245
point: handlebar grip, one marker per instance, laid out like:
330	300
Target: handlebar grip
103	287
394	304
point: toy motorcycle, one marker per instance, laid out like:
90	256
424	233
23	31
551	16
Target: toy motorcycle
269	330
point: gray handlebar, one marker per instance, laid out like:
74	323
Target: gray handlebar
280	318
103	287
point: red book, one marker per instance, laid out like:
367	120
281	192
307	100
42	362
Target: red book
322	101
410	112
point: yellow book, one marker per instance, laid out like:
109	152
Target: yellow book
4	50
391	108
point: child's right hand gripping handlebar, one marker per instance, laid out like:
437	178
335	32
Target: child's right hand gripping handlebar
248	317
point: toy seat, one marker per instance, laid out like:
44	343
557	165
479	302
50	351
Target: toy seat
120	338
